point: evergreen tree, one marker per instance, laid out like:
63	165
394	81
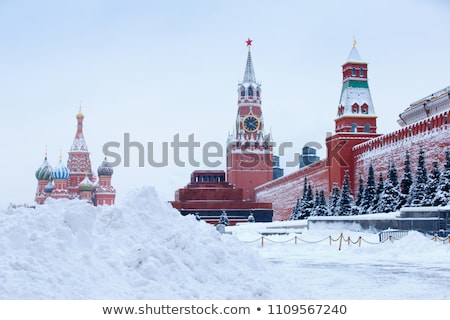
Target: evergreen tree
360	194
295	211
321	208
334	199
316	203
390	197
307	204
407	180
432	186
379	191
345	203
442	197
223	218
418	188
370	193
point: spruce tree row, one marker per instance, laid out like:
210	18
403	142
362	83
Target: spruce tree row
424	190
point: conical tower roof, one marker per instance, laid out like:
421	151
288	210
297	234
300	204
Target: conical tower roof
249	74
79	143
354	54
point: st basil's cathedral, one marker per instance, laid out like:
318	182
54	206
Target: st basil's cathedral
76	180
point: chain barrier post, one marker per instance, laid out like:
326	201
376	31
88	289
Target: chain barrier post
330	240
295	239
262	242
340	241
359	241
348	241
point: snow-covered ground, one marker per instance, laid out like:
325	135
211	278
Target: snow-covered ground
144	249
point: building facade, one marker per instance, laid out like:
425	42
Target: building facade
76	179
356	144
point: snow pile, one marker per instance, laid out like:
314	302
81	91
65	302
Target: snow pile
143	249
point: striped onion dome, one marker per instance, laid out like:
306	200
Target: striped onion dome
60	171
44	172
105	169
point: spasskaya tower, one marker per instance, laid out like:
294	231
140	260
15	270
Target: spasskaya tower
249	149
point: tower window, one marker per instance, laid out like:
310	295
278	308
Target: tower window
243	92
250	91
361	72
365	109
353	72
355	108
367	127
258	93
354	127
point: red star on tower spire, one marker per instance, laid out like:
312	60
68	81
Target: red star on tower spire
249	42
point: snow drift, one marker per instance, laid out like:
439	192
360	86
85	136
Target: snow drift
143	249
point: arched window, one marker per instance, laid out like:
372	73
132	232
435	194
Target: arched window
367	127
353	72
258	93
355	108
365	109
361	72
243	92
354	127
250	91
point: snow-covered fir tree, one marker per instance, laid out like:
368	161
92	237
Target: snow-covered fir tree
295	211
307	203
418	188
370	193
321	208
442	197
345	204
360	194
380	188
390	197
334	199
407	180
223	218
432	185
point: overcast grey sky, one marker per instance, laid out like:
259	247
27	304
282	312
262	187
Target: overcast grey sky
154	69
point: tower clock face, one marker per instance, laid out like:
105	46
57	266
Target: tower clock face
250	123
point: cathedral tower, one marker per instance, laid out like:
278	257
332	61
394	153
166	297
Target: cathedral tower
78	162
60	177
44	176
356	119
249	150
104	191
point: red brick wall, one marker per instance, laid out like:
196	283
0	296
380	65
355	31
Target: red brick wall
283	192
432	134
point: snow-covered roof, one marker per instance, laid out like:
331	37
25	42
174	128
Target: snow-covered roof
354	55
359	95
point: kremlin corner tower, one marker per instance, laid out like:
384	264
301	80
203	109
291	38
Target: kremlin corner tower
76	180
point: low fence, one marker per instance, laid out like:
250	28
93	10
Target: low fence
389	235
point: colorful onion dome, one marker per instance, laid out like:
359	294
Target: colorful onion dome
86	184
44	172
49	187
105	169
60	171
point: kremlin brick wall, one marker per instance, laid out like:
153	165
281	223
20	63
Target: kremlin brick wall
431	134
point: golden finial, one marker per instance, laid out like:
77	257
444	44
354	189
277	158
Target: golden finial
355	43
45	151
60	154
80	115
